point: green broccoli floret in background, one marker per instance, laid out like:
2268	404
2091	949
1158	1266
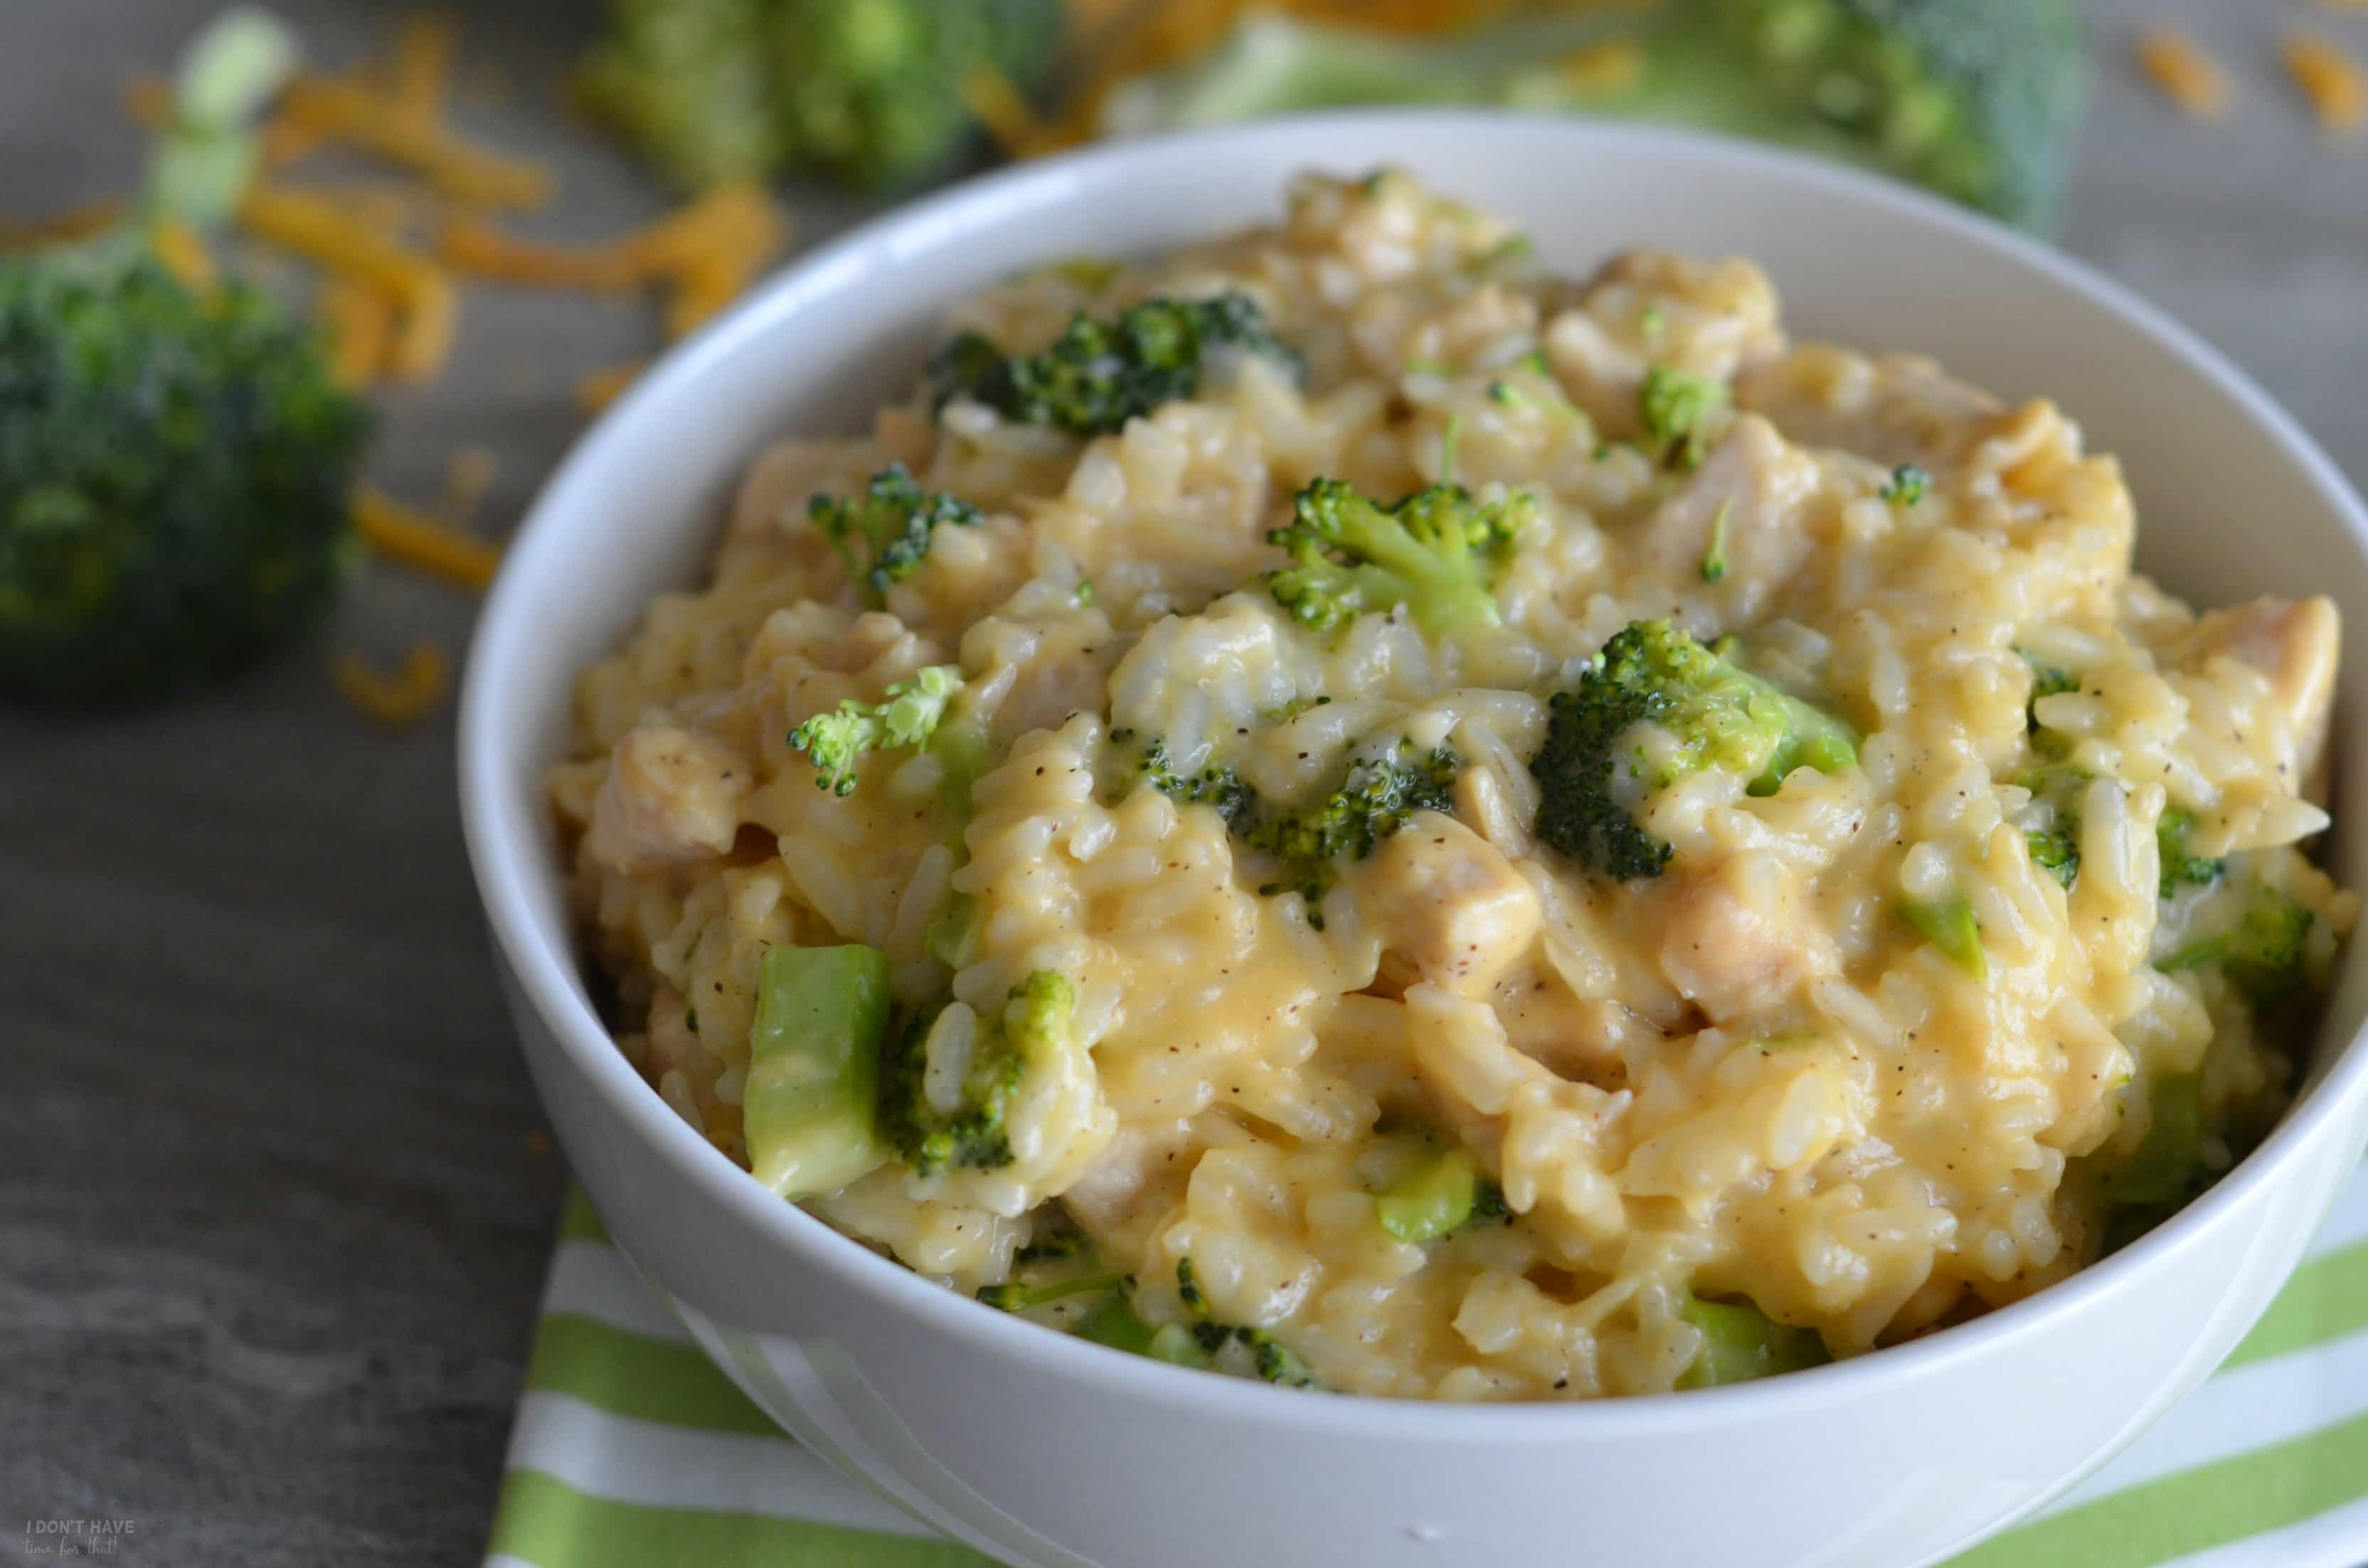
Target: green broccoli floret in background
913	711
174	467
1378	797
1676	406
870	94
1597	767
1979	101
896	520
1098	375
974	1134
1435	551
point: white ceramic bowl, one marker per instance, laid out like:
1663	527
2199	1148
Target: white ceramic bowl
1046	1451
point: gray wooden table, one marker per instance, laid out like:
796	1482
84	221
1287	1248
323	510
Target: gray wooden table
274	1200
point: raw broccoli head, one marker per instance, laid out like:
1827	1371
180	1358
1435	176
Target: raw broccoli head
174	467
867	92
1376	799
1435	551
974	1134
1980	101
1653	707
894	517
1098	375
910	715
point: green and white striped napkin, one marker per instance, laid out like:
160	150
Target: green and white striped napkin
632	1451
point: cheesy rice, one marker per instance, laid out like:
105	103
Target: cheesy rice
1440	1109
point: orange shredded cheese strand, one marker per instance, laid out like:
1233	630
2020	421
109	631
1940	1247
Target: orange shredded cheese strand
703	287
411	537
1611	65
423	342
403	698
598	389
728	215
2187	77
74	223
183	251
360	320
468	246
2331	79
420	75
373	121
314	227
1003	109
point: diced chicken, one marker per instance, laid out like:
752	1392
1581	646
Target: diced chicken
671	796
2296	644
1741	938
1748	498
1449	908
1896	409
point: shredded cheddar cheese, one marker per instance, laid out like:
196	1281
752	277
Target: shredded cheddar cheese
74	223
2331	79
597	391
314	226
1613	65
404	534
184	252
2187	77
467	477
478	249
403	698
420	75
361	319
373	121
1003	109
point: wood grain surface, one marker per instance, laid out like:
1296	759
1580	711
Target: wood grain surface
274	1196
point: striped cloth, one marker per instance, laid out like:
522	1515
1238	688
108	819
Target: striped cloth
632	1451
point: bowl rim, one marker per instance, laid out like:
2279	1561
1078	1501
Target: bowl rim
545	966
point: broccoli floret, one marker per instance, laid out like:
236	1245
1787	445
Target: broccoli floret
1219	788
1016	1298
1704	712
1677	406
174	467
1435	551
999	1051
1740	1342
1906	485
811	1101
895	518
870	94
835	742
1116	1324
2167	1164
1441	1194
1374	800
1269	1357
1981	102
2051	823
1950	926
2179	869
1098	375
1713	562
2261	953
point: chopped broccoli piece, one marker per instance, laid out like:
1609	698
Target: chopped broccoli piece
2168	1164
174	467
835	742
1713	562
1062	1244
2261	953
1374	800
1709	713
993	1057
2181	869
1950	925
895	518
1219	788
870	94
1098	375
1441	1195
1016	1298
1435	551
2046	680
1981	102
2056	850
1116	1324
1677	406
1511	394
951	934
2052	825
1740	1342
814	1067
1906	485
1269	1357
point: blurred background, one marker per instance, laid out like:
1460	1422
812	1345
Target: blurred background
277	1197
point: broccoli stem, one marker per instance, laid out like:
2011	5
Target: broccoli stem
1435	1197
2164	1167
1116	1324
1013	1298
813	1072
1948	925
1741	1343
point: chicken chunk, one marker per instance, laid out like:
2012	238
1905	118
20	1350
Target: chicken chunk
1741	938
1451	910
671	796
1748	498
2296	644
